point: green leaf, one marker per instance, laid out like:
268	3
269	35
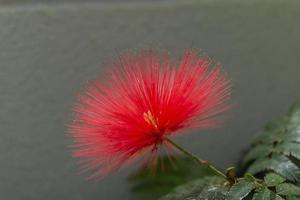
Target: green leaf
213	193
293	134
167	174
277	147
273	179
258	152
193	189
280	164
265	194
241	189
288	189
290	149
267	137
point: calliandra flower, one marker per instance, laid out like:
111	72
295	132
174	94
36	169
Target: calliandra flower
146	97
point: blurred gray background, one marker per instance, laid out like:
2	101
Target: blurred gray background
50	49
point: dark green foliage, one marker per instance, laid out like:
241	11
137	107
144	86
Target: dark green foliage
213	193
273	179
277	163
210	186
265	194
288	189
282	187
277	147
168	174
273	187
241	189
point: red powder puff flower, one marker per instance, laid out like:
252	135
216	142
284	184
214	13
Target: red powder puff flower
144	99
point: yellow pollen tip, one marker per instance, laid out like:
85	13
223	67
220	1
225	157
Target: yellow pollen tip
150	119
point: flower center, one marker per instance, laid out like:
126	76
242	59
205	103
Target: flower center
150	119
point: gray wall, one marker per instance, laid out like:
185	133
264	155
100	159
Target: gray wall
48	52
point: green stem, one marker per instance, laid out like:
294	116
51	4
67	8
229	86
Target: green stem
196	158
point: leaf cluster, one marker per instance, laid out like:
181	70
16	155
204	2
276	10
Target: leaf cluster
272	187
276	148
